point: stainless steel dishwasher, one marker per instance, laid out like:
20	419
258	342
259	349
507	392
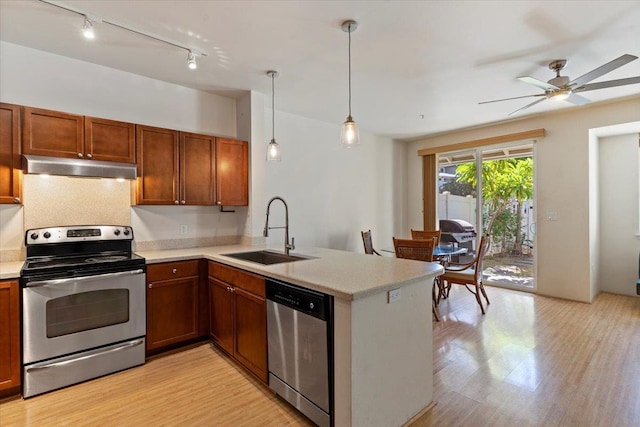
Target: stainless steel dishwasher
300	337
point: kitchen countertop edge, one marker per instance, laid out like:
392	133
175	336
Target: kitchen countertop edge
405	272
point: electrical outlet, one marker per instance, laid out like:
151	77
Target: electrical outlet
394	295
184	229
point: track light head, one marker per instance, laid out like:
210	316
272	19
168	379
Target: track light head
87	29
191	60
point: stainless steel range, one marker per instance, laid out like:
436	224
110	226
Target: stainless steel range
83	305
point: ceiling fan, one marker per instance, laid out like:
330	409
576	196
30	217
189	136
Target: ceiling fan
560	88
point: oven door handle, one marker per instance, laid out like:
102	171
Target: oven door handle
100	352
81	279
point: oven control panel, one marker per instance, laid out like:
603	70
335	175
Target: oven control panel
87	233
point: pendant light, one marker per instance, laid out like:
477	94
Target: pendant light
349	135
273	149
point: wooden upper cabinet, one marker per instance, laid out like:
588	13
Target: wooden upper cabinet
57	134
196	169
52	133
157	155
174	168
232	172
109	140
10	173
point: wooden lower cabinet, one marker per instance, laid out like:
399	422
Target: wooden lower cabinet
9	338
172	303
238	314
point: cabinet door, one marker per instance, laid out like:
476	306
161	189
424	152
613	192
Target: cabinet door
196	169
9	338
232	172
251	332
157	156
172	311
10	175
221	314
52	133
109	140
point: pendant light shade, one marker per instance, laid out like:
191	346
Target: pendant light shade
349	135
273	149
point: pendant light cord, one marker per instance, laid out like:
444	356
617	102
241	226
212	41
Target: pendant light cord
273	108
349	70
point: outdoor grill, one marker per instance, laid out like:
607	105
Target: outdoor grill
459	232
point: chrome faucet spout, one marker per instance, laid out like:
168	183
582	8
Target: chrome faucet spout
287	246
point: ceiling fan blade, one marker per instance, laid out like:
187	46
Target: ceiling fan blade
526	106
507	99
610	83
539	83
576	99
602	70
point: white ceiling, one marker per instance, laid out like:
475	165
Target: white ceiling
418	67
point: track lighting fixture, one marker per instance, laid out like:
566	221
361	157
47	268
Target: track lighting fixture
89	20
273	149
87	29
349	136
191	61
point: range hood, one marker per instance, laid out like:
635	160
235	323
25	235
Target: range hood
78	167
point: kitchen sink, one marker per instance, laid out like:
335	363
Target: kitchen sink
265	257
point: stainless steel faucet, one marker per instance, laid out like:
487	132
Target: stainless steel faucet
287	247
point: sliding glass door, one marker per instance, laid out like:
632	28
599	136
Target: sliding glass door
492	190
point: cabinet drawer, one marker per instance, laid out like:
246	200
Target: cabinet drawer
172	270
241	279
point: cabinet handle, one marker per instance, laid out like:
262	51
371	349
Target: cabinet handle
89	156
183	202
174	271
176	202
219	203
150	285
16	200
80	155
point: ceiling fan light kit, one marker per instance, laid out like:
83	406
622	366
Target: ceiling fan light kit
561	88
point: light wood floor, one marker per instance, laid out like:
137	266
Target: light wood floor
531	361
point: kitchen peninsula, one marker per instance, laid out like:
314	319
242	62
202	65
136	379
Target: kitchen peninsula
373	384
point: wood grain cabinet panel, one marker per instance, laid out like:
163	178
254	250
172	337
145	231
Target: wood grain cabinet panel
109	140
239	317
157	154
9	338
10	151
52	133
172	304
196	169
232	172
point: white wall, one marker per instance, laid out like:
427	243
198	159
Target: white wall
619	170
39	79
332	192
562	186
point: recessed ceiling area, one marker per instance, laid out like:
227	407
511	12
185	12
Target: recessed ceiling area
418	67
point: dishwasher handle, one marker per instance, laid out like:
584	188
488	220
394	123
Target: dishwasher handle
310	302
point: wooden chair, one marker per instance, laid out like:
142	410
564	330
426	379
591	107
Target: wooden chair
420	250
426	234
469	274
368	243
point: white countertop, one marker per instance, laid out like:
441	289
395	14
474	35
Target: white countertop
10	270
345	275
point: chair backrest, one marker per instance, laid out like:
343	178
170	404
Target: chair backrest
482	251
421	250
426	234
368	243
